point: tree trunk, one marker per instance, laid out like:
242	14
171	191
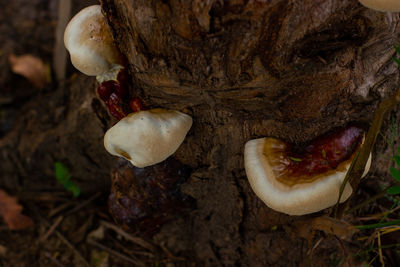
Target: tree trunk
247	69
242	69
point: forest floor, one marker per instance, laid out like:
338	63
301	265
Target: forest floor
78	231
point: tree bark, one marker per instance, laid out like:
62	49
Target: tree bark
247	69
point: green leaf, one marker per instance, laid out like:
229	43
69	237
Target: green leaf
377	225
398	150
396	60
394	190
76	191
64	177
395	173
62	172
397	160
397	47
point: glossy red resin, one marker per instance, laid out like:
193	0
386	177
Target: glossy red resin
324	153
105	89
116	96
136	104
115	106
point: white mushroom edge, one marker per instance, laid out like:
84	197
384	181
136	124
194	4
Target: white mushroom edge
382	5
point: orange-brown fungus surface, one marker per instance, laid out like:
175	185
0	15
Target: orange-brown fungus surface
321	156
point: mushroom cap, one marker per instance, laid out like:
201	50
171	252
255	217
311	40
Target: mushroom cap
147	137
88	39
297	199
382	5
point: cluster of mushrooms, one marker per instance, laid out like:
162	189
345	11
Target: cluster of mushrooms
153	134
287	179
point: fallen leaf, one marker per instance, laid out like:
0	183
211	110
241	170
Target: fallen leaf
10	210
3	251
329	225
306	228
30	67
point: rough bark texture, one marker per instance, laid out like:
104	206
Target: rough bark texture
242	70
247	69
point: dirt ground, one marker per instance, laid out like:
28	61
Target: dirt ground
40	124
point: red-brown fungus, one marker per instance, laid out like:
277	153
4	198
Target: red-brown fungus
325	153
143	199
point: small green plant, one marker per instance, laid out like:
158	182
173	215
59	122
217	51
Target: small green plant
64	177
395	190
397	47
392	134
388	221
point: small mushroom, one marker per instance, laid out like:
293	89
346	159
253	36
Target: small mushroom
382	5
90	44
147	137
298	182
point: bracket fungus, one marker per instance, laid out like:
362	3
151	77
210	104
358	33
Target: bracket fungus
147	137
303	181
89	41
382	5
142	137
90	44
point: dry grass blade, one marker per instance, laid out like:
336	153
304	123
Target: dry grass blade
390	229
380	250
53	260
357	167
139	241
83	204
311	251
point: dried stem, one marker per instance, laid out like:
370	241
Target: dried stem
357	167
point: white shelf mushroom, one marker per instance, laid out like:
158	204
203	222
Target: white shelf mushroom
267	162
147	137
90	44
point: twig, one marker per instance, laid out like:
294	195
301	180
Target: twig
59	53
51	197
51	229
115	253
60	208
59	235
170	255
311	251
136	240
53	260
83	204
